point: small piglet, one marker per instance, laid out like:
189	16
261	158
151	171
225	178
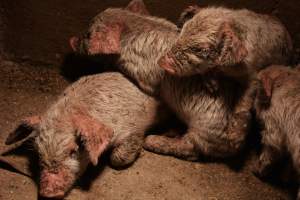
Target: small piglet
96	113
278	109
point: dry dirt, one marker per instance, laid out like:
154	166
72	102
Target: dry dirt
26	91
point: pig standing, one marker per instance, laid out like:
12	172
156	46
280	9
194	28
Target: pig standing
277	105
94	114
216	107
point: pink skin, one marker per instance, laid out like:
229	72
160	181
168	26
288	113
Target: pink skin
74	42
55	184
167	63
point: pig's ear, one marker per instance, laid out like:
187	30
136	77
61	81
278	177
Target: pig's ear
264	92
267	84
187	14
232	49
137	6
24	129
95	135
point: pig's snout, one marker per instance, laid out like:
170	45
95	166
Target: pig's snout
74	42
168	63
54	185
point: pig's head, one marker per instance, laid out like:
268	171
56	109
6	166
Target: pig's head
273	74
65	149
202	47
105	31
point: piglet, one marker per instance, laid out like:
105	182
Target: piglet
277	108
96	113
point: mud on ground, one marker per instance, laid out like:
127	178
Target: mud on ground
25	91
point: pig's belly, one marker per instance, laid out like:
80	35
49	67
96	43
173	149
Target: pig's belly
191	102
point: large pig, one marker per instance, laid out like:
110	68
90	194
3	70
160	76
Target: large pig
277	105
206	103
96	113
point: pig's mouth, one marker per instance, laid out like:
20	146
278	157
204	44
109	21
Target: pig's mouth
55	185
168	63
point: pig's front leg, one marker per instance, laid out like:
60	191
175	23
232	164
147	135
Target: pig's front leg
271	152
178	147
127	150
241	117
267	159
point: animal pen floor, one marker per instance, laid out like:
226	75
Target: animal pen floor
25	91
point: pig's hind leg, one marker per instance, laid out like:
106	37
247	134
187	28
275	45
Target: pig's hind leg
204	141
127	150
181	147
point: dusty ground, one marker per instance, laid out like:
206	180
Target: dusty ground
25	91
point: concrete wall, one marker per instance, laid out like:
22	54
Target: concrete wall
39	30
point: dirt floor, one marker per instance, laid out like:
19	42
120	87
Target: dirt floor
26	91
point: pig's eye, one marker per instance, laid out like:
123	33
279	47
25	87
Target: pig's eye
204	52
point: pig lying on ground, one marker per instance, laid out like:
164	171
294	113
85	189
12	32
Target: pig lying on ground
215	106
94	114
278	110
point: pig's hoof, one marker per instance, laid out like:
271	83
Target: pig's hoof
122	159
261	171
241	119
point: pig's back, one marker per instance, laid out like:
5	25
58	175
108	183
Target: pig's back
115	101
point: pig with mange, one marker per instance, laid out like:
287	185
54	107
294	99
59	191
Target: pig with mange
204	73
277	108
227	47
96	113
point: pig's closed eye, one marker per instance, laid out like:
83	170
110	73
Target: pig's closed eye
202	52
205	52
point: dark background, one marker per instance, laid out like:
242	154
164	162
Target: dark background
38	30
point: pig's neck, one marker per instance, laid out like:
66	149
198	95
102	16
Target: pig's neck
140	51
